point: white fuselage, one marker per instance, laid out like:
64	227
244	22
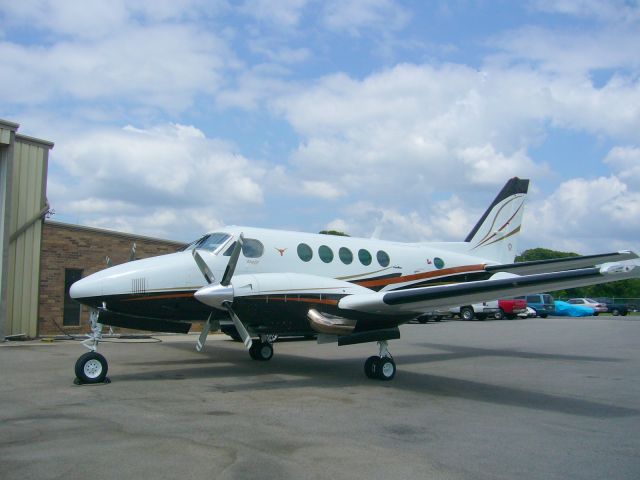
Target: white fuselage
376	264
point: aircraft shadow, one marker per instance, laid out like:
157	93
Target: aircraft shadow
230	360
460	352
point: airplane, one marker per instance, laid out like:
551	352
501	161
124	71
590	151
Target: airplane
336	288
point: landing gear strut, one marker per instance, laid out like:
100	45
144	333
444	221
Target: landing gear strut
262	349
92	367
381	366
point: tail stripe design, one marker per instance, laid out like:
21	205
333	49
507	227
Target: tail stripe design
492	233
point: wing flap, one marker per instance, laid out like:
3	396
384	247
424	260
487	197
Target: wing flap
423	299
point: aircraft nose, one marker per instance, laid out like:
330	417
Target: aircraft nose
86	288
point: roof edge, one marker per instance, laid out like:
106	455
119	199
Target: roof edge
104	231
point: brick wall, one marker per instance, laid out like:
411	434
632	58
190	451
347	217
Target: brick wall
72	246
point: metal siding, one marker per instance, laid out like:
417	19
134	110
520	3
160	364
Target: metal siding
24	265
5	135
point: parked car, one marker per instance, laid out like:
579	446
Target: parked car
566	309
589	302
497	309
542	303
615	308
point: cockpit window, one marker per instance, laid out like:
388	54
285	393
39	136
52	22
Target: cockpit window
209	242
213	241
251	248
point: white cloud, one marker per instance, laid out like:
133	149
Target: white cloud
160	66
321	189
153	179
586	216
353	16
626	162
611	11
93	19
284	13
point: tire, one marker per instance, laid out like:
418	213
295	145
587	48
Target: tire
91	368
386	369
261	351
466	313
371	366
615	312
511	316
544	315
499	315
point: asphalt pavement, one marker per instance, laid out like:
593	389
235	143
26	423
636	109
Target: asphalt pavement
527	399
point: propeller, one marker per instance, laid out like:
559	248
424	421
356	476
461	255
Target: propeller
221	295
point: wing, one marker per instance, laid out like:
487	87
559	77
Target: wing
419	300
561	264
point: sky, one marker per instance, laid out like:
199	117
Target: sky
171	118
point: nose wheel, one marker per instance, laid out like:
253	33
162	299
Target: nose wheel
382	366
91	367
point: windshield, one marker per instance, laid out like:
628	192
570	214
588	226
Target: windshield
209	242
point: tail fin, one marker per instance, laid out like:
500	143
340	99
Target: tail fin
494	236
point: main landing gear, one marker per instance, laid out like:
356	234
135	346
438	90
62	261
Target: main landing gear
381	366
92	367
262	349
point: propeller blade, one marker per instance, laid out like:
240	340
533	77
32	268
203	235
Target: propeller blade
204	268
242	331
231	266
203	335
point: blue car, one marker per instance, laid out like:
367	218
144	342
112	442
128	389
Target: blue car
565	309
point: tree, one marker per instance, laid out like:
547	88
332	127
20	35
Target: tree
333	232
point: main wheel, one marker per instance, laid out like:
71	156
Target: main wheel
371	366
261	351
91	368
466	313
386	368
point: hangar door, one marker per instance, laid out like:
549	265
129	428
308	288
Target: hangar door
25	162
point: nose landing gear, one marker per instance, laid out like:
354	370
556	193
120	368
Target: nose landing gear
92	367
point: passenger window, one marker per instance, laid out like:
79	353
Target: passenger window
364	256
383	258
532	299
304	252
251	248
325	254
345	255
